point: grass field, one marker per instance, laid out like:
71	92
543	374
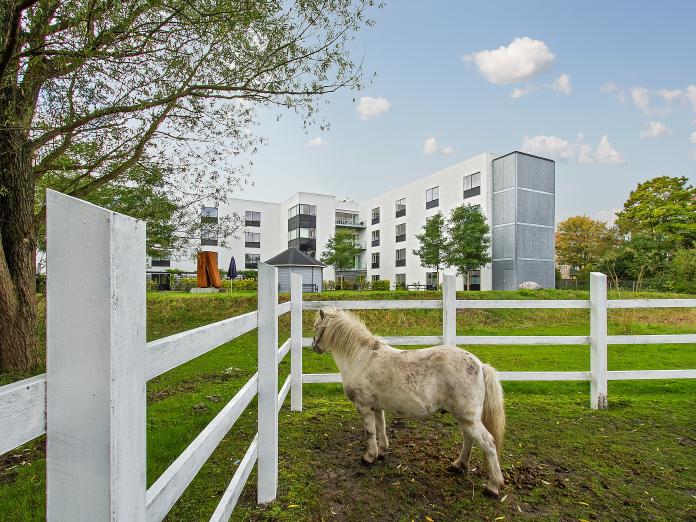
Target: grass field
636	461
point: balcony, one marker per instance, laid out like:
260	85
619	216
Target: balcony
432	203
375	265
401	212
400	262
400	238
251	244
252	223
375	220
375	242
360	244
357	267
251	266
349	222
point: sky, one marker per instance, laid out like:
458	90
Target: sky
607	89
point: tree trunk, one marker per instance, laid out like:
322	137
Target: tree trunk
18	314
468	281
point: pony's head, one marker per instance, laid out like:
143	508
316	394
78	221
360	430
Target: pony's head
342	332
320	324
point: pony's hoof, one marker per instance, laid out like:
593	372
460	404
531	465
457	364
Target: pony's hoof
381	456
366	462
453	467
491	492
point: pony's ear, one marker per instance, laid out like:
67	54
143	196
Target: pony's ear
321	314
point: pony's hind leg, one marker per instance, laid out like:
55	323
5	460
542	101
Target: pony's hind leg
368	415
462	463
480	434
382	440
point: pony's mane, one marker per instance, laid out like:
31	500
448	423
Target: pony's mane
346	334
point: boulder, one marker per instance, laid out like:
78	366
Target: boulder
530	285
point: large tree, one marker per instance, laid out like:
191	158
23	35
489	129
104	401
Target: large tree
340	251
662	207
581	241
90	89
431	243
469	240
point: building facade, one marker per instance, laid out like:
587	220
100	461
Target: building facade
516	193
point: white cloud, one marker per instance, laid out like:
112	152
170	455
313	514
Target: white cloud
522	59
612	88
520	92
549	146
369	107
607	154
655	129
317	142
670	95
641	98
430	146
690	95
562	84
608	216
693	137
579	151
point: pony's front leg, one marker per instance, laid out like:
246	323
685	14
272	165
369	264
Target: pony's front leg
382	440
369	422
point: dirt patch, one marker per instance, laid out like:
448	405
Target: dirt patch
12	461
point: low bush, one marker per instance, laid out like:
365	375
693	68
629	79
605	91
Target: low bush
248	274
381	285
184	284
242	284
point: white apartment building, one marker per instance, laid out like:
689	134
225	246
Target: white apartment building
516	192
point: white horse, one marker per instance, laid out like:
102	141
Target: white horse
415	383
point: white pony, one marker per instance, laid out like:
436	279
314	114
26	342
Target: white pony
415	383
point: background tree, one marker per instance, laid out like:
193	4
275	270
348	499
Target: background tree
581	242
466	248
663	208
90	90
432	240
340	251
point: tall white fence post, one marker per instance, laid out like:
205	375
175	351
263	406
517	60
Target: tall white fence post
598	341
95	363
268	383
296	342
449	309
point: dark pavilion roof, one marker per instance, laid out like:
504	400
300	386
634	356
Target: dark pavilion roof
293	257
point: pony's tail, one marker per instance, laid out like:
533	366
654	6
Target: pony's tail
493	416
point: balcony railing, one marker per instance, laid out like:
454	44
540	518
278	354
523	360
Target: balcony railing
401	262
375	242
355	268
360	244
346	222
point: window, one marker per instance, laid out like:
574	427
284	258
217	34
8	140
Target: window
375	216
401	257
251	260
432	197
252	239
400	281
472	185
305	210
209	229
400	232
375	260
252	219
400	207
375	277
375	238
305	233
160	261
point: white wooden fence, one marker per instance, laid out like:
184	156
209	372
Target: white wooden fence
91	403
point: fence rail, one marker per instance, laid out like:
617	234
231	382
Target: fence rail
92	403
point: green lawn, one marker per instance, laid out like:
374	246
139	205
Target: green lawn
561	461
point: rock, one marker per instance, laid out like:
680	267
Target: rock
529	285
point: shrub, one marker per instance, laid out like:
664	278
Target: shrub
184	284
400	286
382	285
681	272
40	283
248	274
243	284
151	285
328	285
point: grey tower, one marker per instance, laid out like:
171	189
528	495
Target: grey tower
523	221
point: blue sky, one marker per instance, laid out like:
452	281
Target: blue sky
603	87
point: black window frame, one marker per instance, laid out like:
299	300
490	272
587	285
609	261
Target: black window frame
433	201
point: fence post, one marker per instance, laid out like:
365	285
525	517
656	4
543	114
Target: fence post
95	363
296	342
268	383
598	341
449	309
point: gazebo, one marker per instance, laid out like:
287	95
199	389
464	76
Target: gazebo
293	261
